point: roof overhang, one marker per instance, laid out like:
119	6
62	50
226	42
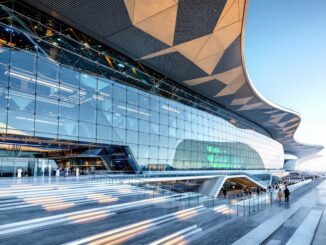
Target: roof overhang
199	44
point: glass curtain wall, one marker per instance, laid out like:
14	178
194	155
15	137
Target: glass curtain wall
40	95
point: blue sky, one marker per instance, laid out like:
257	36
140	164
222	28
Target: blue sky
285	52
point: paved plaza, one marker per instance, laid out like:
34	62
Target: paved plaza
85	211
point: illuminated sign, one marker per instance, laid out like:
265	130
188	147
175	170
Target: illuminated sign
214	157
213	149
213	152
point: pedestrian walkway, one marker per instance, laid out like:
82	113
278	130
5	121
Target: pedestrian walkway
320	235
270	231
81	211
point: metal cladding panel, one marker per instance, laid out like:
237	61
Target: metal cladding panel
168	62
138	43
198	43
190	23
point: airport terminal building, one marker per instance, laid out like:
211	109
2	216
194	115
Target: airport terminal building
131	86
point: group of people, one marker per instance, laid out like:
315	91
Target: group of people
280	193
286	195
273	187
73	171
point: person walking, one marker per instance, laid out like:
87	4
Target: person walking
224	193
279	196
286	194
66	172
57	172
19	173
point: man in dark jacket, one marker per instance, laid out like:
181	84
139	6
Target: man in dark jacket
224	193
286	194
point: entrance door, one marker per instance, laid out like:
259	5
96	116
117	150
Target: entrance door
9	166
29	166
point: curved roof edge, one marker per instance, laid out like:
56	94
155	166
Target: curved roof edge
290	145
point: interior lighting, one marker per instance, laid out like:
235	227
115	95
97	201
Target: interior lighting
36	120
121	65
40	81
48	32
108	60
133	110
166	107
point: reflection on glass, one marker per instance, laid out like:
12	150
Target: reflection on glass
56	101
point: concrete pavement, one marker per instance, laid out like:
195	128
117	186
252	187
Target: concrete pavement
102	212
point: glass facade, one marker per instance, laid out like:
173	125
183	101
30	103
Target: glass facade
46	91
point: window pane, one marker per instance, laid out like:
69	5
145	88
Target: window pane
87	113
88	83
47	78
104	132
4	75
119	92
46	124
3	97
69	93
87	130
3	119
132	96
5	54
23	62
20	121
104	118
104	95
132	137
119	135
21	101
68	128
46	106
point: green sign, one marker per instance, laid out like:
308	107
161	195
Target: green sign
213	149
217	160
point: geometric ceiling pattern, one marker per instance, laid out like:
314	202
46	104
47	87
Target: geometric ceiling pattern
198	43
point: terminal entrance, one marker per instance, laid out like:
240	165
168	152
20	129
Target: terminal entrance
29	166
47	167
42	157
